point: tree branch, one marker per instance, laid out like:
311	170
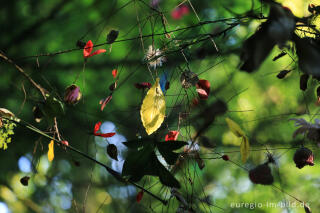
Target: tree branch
37	86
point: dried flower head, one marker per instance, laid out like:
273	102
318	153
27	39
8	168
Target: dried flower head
261	175
155	57
312	131
303	157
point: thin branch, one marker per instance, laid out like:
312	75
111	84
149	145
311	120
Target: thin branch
114	173
37	86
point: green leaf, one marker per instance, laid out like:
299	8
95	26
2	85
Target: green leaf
166	150
136	161
244	148
166	178
171	145
136	144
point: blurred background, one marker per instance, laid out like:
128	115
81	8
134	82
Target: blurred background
259	102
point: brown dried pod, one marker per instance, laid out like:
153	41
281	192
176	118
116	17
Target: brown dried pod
112	151
304	82
25	180
37	113
225	157
303	157
283	74
113	86
188	79
261	175
80	44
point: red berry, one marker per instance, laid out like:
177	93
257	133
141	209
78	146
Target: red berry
225	157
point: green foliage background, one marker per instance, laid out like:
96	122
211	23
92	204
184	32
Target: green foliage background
261	103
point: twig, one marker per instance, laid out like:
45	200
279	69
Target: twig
114	173
37	86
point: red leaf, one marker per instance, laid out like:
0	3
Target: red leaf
104	102
139	196
184	9
180	11
114	73
195	102
172	136
87	49
97	52
65	143
176	14
143	85
97	127
203	88
105	135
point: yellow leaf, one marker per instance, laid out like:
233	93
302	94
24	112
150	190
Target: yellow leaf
51	151
153	108
244	148
235	128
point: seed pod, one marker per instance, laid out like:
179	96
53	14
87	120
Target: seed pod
283	74
304	82
303	157
25	180
143	85
80	44
261	175
72	94
112	36
279	56
113	86
76	163
199	161
188	79
225	157
37	113
112	151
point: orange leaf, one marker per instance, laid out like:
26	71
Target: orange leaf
114	73
51	151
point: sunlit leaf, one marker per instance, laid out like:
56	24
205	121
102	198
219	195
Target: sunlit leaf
235	128
51	151
153	108
244	149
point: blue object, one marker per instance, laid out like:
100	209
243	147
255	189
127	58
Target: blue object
163	81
